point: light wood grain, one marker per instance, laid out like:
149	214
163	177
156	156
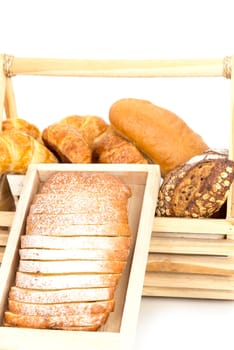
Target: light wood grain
2	249
118	68
2	89
190	264
123	320
3	238
192	246
6	218
149	291
230	201
186	280
10	103
187	225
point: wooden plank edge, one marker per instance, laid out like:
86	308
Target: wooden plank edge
188	293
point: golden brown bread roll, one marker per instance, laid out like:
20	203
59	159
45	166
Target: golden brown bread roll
198	188
18	150
159	133
67	143
110	147
21	125
89	126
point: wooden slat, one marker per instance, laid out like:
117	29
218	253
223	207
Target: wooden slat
6	218
117	68
3	237
2	89
182	235
187	225
2	249
190	264
10	103
191	246
149	291
230	204
186	280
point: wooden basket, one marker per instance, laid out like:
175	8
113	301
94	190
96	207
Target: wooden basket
190	258
120	328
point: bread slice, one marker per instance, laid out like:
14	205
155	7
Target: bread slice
93	218
55	309
80	182
46	290
71	266
54	242
81	254
110	229
55	322
62	204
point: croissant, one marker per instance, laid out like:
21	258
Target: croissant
67	143
21	125
110	147
90	126
18	150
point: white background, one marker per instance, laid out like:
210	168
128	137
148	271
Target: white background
133	29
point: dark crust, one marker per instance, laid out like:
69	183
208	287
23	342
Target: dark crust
196	189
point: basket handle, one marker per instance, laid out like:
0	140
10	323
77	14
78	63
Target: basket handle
10	103
2	88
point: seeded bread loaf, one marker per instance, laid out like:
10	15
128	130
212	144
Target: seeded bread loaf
198	188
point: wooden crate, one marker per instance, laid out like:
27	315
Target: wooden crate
119	331
190	258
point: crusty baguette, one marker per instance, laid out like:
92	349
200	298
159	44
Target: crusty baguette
55	322
48	289
81	254
159	133
110	147
55	309
71	266
80	230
